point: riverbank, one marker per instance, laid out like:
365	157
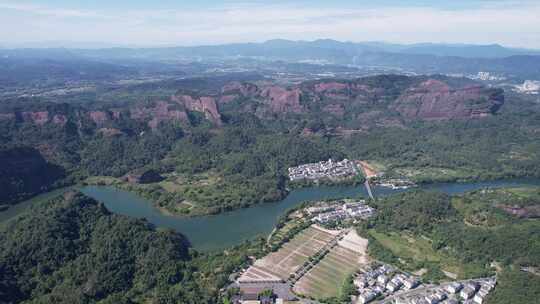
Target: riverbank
214	232
156	193
17	209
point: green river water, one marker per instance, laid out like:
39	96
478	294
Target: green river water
227	229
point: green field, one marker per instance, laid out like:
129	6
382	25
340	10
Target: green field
278	236
415	253
431	174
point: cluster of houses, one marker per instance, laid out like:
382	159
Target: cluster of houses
382	281
469	292
340	210
324	170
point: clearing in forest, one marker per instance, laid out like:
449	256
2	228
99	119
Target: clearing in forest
369	170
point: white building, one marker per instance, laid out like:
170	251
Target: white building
367	297
382	279
454	287
441	296
479	299
392	287
467	293
411	283
360	283
431	299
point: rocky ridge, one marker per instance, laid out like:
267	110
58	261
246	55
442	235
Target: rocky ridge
390	97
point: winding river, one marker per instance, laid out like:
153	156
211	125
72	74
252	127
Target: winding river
227	229
231	228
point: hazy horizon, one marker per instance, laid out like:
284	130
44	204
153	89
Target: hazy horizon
103	45
141	23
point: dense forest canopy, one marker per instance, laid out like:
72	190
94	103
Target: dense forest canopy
72	250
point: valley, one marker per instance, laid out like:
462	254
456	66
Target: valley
225	142
311	172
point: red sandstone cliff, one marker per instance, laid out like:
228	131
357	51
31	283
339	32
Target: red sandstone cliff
435	100
282	100
204	104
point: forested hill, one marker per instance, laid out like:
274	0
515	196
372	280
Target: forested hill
72	250
24	172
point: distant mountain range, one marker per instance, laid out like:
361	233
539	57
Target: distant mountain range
284	48
420	58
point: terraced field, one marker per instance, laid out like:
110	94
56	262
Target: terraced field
290	256
326	278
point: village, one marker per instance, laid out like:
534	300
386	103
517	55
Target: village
324	170
380	283
346	169
327	212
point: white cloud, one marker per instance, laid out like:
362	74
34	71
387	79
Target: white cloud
509	23
32	9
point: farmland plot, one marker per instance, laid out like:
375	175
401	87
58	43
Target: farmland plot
291	255
326	278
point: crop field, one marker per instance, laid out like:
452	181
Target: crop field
326	278
435	174
291	255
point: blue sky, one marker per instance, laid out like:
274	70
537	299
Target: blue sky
168	22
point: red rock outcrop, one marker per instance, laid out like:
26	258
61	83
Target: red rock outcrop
282	100
204	104
243	88
117	114
330	86
60	119
345	91
227	98
435	100
39	118
160	112
99	117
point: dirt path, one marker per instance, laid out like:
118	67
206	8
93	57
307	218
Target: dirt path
369	171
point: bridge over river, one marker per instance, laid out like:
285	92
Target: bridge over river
368	189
